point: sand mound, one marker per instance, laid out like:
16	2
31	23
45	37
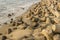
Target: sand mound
40	22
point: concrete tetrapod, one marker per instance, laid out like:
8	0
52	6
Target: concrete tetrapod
47	33
56	28
18	34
